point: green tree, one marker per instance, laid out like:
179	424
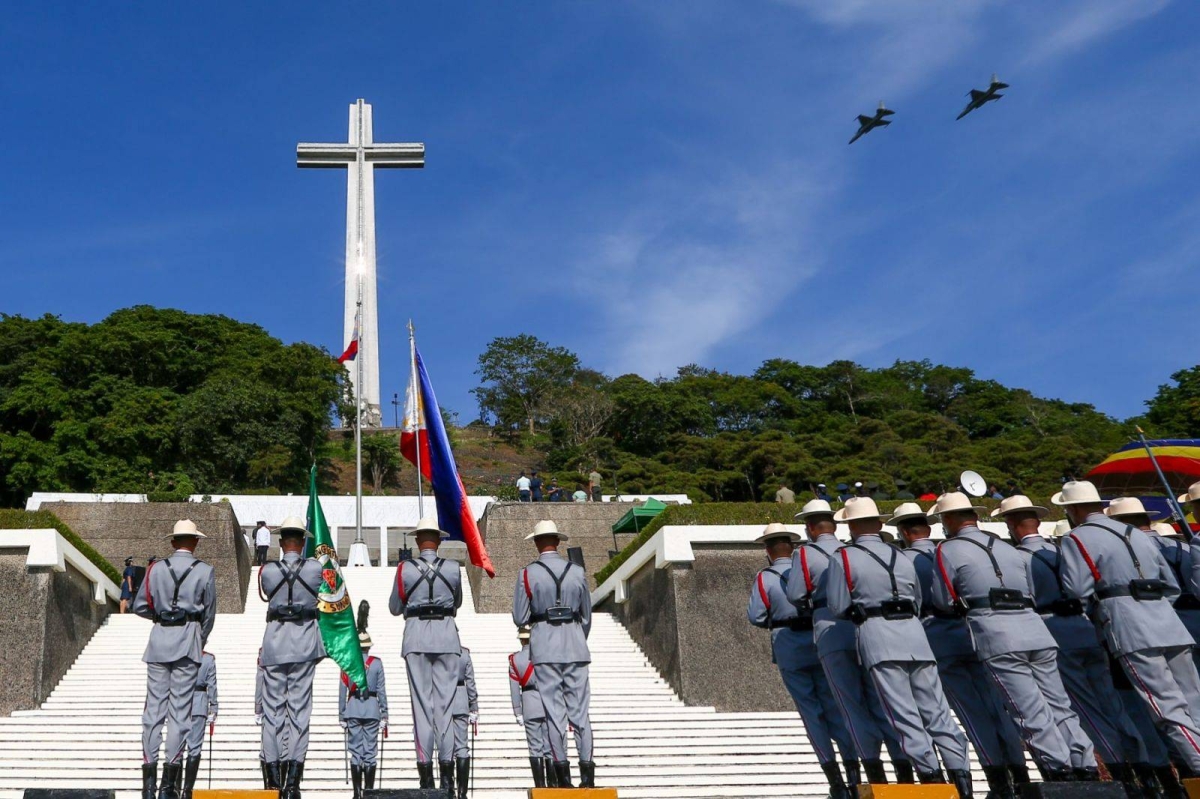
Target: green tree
519	374
381	459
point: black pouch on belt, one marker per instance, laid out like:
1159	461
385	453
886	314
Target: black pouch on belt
560	614
1006	599
896	609
1145	590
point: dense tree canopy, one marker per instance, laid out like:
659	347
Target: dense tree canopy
152	398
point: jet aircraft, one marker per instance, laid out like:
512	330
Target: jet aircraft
867	124
978	98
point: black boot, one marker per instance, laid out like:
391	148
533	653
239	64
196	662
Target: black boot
1019	775
1171	786
999	786
168	788
463	767
837	787
425	772
932	777
1151	788
962	782
189	777
563	772
874	771
369	778
587	774
853	777
294	775
1058	774
446	769
538	767
1124	774
1091	774
149	780
904	771
356	775
266	774
275	772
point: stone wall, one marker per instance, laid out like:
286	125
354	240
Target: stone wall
46	618
690	620
505	525
120	529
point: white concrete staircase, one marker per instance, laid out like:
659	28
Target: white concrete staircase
648	744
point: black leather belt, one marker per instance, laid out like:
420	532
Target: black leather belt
1063	607
177	618
984	602
801	624
540	618
1187	602
296	615
429	614
893	610
525	688
364	694
938	613
200	690
1141	590
461	684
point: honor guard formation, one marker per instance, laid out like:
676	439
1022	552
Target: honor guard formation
1076	651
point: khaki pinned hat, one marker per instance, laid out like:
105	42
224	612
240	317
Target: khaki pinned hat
1061	528
778	530
546	527
364	640
1192	495
1164	529
295	524
1123	507
1019	503
858	509
186	528
905	512
523	633
429	524
953	501
1077	492
814	507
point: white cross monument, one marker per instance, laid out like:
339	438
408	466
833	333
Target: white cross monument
360	156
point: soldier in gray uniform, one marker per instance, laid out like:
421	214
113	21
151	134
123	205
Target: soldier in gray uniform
258	719
465	713
528	710
875	587
361	712
551	594
179	594
993	584
1124	573
1082	660
204	713
793	651
971	693
291	649
837	649
428	592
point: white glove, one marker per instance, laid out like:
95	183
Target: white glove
473	716
258	719
343	725
212	718
521	720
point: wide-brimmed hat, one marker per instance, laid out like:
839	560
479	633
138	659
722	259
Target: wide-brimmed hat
364	639
1164	529
858	509
778	530
185	528
429	524
814	507
1077	492
1192	495
1061	528
953	501
1019	503
1122	507
906	511
294	524
523	633
546	527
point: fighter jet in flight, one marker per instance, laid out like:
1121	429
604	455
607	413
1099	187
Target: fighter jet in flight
978	98
867	124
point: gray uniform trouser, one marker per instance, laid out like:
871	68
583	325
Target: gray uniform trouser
169	688
362	741
462	741
1167	682
537	737
911	695
567	697
822	719
1034	693
1089	684
287	710
859	704
195	736
980	710
431	683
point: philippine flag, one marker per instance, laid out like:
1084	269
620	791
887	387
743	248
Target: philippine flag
352	350
428	431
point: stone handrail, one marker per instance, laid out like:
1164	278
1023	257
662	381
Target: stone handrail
48	549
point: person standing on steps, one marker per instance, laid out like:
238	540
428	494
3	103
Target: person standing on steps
428	592
361	712
528	710
179	594
204	713
876	588
464	711
595	489
793	651
551	594
262	543
291	649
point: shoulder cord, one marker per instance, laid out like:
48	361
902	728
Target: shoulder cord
429	574
988	551
1137	564
178	581
290	578
558	580
890	568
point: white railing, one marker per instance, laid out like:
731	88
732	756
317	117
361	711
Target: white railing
48	549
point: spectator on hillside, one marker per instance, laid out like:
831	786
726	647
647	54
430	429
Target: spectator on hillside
1013	488
553	492
877	493
580	495
823	493
535	487
860	490
994	492
902	491
127	586
843	492
594	485
523	484
928	496
262	542
785	495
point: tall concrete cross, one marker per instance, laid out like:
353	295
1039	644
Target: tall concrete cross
360	156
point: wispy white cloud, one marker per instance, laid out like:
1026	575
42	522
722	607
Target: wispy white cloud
1062	30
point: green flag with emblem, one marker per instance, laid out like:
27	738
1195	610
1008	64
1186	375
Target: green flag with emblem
338	631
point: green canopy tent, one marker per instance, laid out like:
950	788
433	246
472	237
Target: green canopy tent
638	517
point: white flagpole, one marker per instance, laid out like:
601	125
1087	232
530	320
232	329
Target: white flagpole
415	387
358	358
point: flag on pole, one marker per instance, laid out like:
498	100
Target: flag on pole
336	616
424	428
352	349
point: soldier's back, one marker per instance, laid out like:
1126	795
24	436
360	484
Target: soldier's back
291	586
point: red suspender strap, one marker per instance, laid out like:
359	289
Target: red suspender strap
762	592
525	578
345	679
528	675
946	577
808	583
1086	557
846	566
512	668
400	584
370	660
150	596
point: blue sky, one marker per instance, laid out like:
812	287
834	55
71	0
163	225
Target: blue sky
648	184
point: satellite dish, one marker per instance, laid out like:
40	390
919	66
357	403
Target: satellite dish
973	483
